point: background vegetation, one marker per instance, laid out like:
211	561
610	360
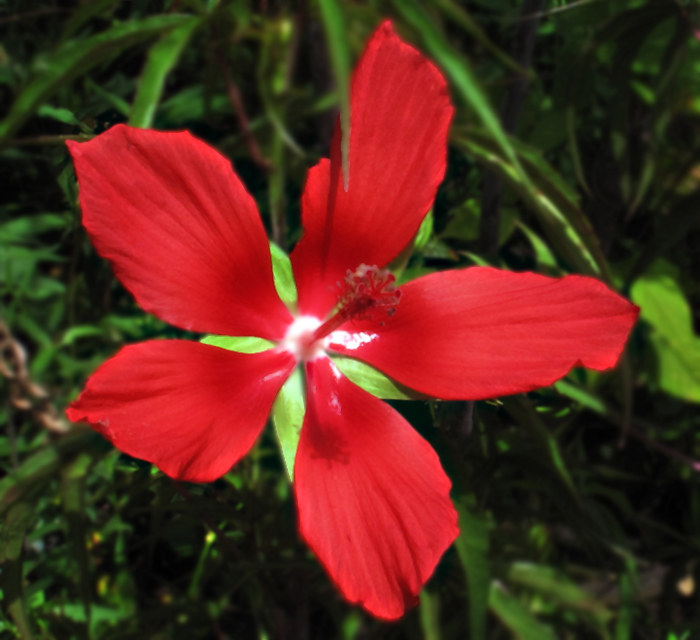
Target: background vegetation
575	148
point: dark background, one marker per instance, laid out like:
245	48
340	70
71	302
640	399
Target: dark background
579	504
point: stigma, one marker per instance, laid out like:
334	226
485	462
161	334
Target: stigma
368	292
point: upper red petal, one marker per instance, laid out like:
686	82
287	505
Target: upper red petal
481	332
400	112
191	409
373	499
180	230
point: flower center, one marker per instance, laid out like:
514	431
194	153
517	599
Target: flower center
299	340
363	294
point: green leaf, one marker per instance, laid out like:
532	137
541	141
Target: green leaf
336	37
584	397
424	231
544	256
162	58
284	277
241	344
670	230
472	545
374	381
628	585
459	16
14	526
26	228
464	222
515	616
119	104
429	610
73	478
75	58
558	588
78	332
549	197
62	115
459	71
288	416
39	468
677	348
523	411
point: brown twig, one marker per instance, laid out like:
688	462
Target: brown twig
32	14
234	95
660	446
39	140
25	394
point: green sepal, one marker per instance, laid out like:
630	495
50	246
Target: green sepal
242	344
424	231
288	415
374	381
284	277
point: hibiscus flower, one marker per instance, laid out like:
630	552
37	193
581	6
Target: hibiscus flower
184	237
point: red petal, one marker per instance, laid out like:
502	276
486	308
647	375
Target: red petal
191	409
481	333
373	500
180	230
398	148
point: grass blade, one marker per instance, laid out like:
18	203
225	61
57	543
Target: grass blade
459	71
162	58
75	58
336	36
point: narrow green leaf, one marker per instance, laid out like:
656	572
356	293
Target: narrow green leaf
472	545
515	616
374	381
336	37
26	228
14	526
628	582
40	467
162	58
545	258
459	71
424	231
558	588
547	195
521	409
682	217
284	277
241	344
459	16
73	497
75	58
55	113
288	416
429	610
120	105
84	13
582	396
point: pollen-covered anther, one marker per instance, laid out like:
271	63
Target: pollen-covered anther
367	289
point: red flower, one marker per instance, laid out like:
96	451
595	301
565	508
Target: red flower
185	238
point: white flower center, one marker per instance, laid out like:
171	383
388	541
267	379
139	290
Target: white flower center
298	339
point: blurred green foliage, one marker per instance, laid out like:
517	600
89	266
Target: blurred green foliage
575	148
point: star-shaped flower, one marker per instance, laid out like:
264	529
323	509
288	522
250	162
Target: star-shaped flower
185	238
